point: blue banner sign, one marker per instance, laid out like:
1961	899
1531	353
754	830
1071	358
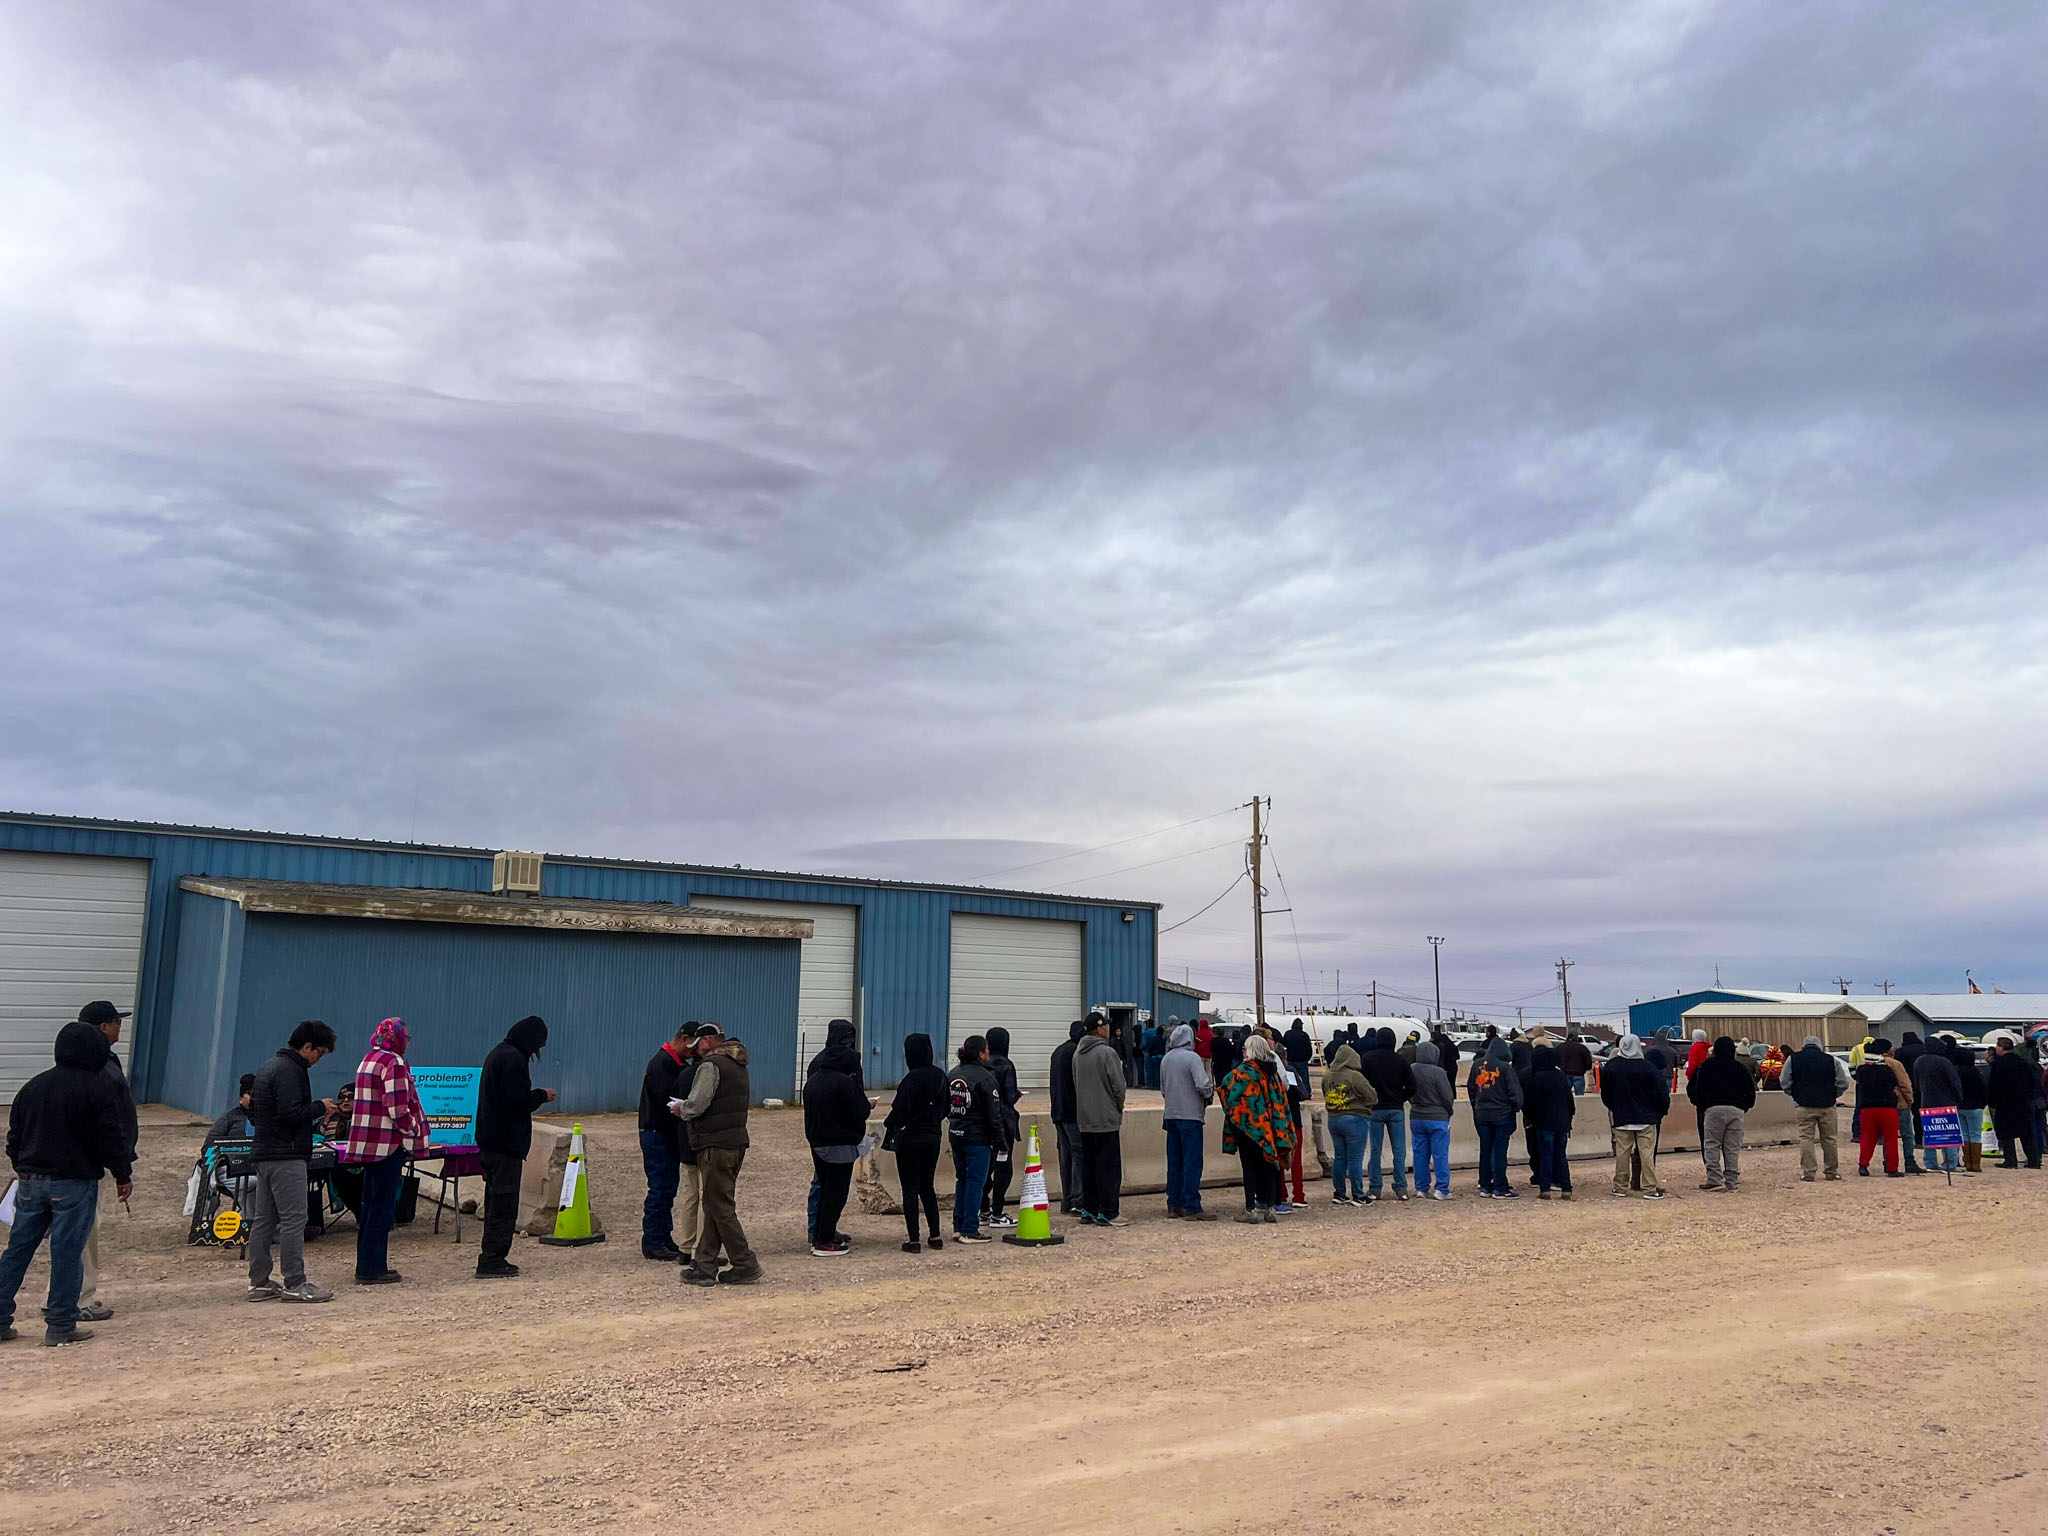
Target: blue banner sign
1941	1128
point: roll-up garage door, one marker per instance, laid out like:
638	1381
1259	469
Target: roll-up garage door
825	990
70	932
1023	973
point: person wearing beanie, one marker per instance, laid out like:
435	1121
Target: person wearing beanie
1882	1091
1099	1090
664	1147
1065	1130
1815	1080
1724	1093
505	1102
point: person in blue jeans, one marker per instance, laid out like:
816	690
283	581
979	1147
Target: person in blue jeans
663	1143
1496	1095
66	1130
1348	1101
1548	1112
1186	1091
1393	1083
974	1127
1429	1122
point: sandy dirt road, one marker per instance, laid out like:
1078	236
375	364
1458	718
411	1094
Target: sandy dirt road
1858	1357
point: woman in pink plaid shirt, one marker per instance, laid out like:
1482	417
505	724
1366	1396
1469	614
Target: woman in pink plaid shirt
386	1128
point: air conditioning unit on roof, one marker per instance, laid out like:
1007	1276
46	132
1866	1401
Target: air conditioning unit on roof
516	874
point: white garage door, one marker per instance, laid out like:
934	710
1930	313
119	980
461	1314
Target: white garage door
1023	973
825	991
70	932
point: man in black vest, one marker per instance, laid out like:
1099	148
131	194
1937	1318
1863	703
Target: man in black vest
715	1110
1816	1080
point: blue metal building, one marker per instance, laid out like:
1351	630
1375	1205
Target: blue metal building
217	984
1177	1000
1668	1013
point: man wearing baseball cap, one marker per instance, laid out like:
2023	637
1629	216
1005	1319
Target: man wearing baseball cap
106	1018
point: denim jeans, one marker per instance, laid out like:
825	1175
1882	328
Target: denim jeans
1950	1158
381	1181
1347	1169
1386	1124
664	1174
1494	1136
1553	1170
1432	1139
1183	1165
970	1173
1909	1136
62	1210
1579	1083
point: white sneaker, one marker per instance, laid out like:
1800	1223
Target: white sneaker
305	1290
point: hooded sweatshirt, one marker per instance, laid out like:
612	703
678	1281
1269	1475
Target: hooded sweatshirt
1098	1086
1936	1083
1346	1090
1007	1092
1702	1048
1392	1079
1550	1102
1434	1090
1494	1087
1184	1078
1300	1047
835	1104
841	1054
1634	1091
386	1117
972	1101
506	1097
1062	1086
1721	1081
918	1116
67	1123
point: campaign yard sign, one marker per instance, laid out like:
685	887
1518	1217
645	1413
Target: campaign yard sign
1941	1128
448	1096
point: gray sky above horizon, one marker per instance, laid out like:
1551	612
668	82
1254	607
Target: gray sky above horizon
1585	463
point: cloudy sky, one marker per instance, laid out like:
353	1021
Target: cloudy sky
1584	462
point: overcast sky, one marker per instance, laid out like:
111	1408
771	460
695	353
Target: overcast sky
1585	463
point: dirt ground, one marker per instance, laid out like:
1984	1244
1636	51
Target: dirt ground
1857	1357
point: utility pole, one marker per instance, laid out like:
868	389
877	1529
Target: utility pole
1844	984
1258	919
1436	961
1564	981
1518	1018
1887	987
1375	997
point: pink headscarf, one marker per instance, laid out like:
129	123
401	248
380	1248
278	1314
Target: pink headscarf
391	1036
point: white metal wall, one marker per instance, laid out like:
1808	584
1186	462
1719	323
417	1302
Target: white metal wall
825	990
70	932
1023	973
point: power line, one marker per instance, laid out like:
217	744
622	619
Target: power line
1242	875
1149	864
1119	843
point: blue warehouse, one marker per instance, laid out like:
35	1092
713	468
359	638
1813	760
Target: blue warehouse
222	940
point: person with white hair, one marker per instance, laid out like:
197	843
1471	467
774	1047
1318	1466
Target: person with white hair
1255	1115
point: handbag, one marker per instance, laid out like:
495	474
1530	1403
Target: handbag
889	1138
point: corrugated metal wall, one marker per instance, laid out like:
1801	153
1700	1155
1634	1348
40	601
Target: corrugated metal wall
1174	1003
905	934
199	1075
610	999
1668	1013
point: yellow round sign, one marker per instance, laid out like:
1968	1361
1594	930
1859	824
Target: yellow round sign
227	1225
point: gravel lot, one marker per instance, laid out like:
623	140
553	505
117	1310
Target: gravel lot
1858	1357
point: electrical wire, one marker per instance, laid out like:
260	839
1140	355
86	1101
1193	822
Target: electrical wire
1119	843
1241	877
1149	864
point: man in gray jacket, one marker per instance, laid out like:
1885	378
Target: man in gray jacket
1099	1114
1185	1086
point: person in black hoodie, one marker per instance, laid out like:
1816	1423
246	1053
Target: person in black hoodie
2009	1094
663	1144
975	1126
842	1048
1393	1081
1065	1122
1724	1093
1637	1097
505	1102
106	1018
835	1123
66	1130
282	1114
1002	1156
1911	1049
914	1130
1547	1110
1446	1054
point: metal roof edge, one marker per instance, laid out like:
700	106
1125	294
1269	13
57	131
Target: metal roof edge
588	861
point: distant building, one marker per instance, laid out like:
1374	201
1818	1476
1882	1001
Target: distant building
1889	1014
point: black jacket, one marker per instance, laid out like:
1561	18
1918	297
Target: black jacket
2012	1089
506	1099
67	1123
1299	1046
971	1100
1574	1058
666	1078
1391	1077
1064	1109
1634	1092
918	1116
1809	1076
1008	1094
1936	1081
1547	1100
835	1105
1877	1086
1722	1080
282	1110
131	1126
1911	1049
1970	1078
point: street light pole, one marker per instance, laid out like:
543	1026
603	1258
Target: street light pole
1436	961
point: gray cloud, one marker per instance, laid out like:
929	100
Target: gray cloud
1584	463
